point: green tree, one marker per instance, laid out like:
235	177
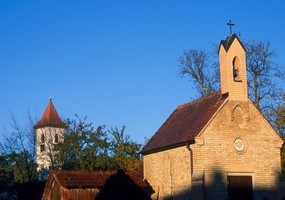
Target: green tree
6	169
85	147
283	157
88	148
280	124
125	152
23	166
280	120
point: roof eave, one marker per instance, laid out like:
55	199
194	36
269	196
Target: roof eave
192	141
37	126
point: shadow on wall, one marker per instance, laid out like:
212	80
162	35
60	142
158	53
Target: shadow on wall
121	187
234	188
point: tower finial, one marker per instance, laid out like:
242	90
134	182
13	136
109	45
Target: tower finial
50	98
231	25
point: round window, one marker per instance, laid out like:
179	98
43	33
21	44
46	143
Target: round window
239	144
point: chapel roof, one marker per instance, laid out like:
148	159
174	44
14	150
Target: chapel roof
50	118
228	42
185	123
83	179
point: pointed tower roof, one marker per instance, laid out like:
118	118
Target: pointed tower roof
50	118
228	42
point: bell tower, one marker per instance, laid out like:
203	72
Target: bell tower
233	68
49	132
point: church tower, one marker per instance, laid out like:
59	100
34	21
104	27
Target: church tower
233	68
49	132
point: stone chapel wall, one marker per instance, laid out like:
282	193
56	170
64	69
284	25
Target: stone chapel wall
169	173
238	141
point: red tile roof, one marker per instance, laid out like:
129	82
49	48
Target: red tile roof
185	123
50	118
82	179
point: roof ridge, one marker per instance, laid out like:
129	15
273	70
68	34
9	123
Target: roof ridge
77	179
198	100
228	42
185	123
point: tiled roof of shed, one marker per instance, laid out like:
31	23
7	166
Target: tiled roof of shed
50	118
81	179
185	123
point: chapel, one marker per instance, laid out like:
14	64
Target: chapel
219	146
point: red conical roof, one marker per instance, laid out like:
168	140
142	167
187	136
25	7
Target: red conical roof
50	118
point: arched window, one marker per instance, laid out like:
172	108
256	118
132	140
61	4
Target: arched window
56	138
42	138
236	69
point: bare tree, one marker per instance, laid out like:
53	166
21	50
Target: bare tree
263	75
18	145
195	64
262	71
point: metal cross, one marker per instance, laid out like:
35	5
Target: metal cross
230	24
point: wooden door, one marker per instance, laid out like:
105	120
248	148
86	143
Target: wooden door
240	188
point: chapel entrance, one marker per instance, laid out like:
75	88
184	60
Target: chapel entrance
240	188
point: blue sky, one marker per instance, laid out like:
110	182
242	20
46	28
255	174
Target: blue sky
116	61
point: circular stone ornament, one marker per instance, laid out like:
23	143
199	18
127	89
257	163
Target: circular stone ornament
239	144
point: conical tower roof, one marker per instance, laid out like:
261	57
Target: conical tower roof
50	118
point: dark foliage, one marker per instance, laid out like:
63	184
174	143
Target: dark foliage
22	191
